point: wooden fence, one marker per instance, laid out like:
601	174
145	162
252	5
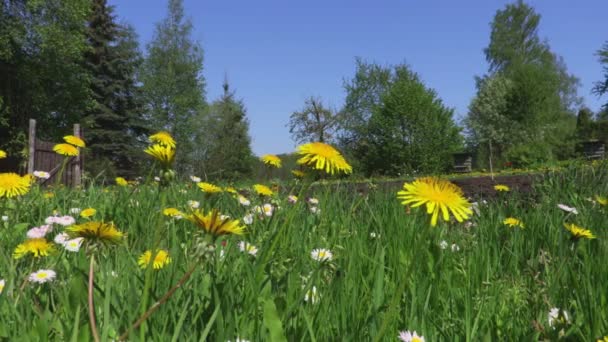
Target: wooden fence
41	157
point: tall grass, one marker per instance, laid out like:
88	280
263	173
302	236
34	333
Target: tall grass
389	271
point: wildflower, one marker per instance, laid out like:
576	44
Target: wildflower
39	247
271	160
195	179
66	150
4	218
407	336
88	212
315	210
173	212
501	187
156	179
75	211
61	238
13	185
212	224
42	276
230	189
297	173
601	200
2	154
557	316
165	154
163	138
267	209
42	174
513	222
194	204
321	254
262	190
313	201
321	156
438	195
578	232
244	201
73	245
65	220
455	248
248	248
74	140
568	209
209	188
161	259
292	199
2	283
121	181
443	244
248	219
93	231
39	232
312	295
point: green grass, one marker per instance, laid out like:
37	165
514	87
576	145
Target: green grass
500	285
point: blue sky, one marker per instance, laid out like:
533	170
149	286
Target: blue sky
278	53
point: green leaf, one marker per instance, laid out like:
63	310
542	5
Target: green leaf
272	322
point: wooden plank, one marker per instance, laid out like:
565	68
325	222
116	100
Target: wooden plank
31	146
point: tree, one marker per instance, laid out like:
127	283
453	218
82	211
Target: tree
226	149
584	124
601	87
173	83
112	123
314	122
42	74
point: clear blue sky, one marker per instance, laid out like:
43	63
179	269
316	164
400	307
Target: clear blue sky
277	53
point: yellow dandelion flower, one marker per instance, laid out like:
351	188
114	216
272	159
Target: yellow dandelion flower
230	189
209	188
172	212
94	231
2	154
513	222
321	156
121	181
271	160
601	200
163	138
578	232
13	185
66	150
501	187
161	259
39	247
262	190
297	173
74	140
88	212
165	154
605	339
213	223
438	195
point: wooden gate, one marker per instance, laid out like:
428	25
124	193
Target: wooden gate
41	157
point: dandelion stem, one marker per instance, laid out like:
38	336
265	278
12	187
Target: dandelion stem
91	304
157	305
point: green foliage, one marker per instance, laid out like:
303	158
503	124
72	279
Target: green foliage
601	87
313	123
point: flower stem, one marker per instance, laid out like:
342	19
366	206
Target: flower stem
157	305
91	305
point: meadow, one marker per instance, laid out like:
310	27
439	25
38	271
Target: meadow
304	263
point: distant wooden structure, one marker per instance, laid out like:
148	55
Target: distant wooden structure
463	162
594	149
41	157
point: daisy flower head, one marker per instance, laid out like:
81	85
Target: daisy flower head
42	174
194	204
267	209
65	220
248	219
164	154
243	201
66	150
501	187
39	232
246	247
2	283
74	140
161	259
271	160
315	210
513	222
321	156
262	190
438	195
292	199
557	316
455	248
578	232
312	201
73	245
121	181
42	276
163	138
312	295
38	247
321	255
211	223
568	209
407	336
88	212
195	179
61	238
13	185
443	244
95	231
209	188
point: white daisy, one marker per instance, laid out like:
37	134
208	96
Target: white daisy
39	232
42	276
313	201
42	174
315	210
194	204
555	318
73	245
292	199
4	218
455	247
268	209
66	220
248	248
244	201
443	244
407	336
321	254
2	283
75	211
248	219
195	179
61	238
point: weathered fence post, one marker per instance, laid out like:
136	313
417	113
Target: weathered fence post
32	146
77	177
